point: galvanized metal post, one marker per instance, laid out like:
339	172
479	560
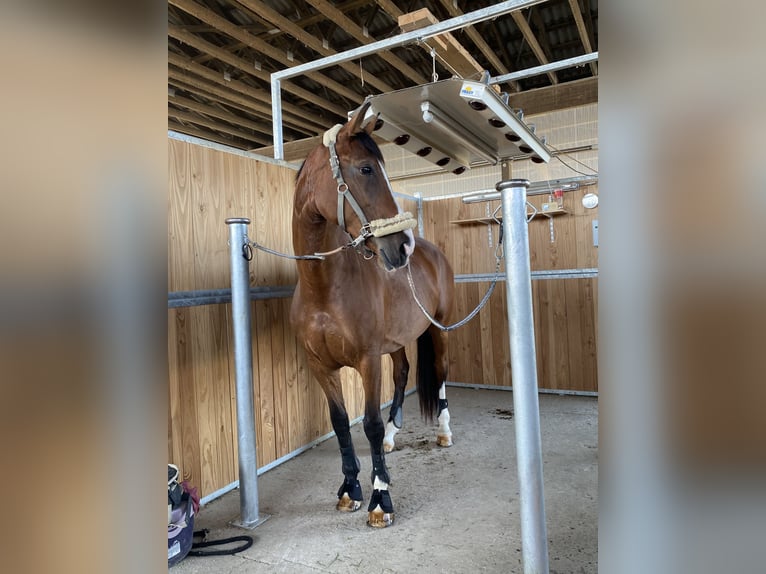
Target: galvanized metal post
518	284
243	370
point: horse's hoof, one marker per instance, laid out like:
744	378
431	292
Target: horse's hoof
347	504
444	439
388	446
379	519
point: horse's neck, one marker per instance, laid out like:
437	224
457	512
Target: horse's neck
317	236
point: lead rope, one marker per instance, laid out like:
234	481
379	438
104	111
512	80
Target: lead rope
482	303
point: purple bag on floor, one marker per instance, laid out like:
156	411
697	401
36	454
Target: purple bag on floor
180	519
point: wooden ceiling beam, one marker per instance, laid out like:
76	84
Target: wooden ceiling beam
293	151
287	25
556	97
253	106
291	113
228	58
193	118
211	93
492	27
390	8
529	36
261	127
445	46
204	134
220	99
583	30
477	39
224	26
350	27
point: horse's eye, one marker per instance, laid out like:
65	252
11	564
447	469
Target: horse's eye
365	170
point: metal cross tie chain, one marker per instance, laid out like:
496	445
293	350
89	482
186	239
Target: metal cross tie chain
479	307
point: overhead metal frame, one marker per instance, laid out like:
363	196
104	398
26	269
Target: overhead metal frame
368	49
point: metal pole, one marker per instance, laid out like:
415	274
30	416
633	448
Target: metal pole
518	286
545	68
243	370
276	118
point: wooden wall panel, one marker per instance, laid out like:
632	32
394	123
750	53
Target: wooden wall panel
564	309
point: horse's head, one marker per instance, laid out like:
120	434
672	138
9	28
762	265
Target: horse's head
353	192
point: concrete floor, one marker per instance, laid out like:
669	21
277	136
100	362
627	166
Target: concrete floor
457	509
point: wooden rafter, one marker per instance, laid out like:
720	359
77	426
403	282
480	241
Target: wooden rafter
292	113
390	8
530	38
222	53
228	58
445	46
226	27
481	44
492	28
253	106
197	119
556	97
350	27
216	112
304	37
583	30
204	134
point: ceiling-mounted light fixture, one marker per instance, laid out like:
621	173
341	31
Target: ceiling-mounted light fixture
455	162
491	102
452	129
468	120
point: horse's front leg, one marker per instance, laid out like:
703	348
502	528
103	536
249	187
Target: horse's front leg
350	492
380	510
401	369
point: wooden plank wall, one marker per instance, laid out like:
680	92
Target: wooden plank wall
205	187
565	310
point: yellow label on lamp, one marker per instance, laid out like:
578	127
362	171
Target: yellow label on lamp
472	90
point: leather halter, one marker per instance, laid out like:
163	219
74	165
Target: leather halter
345	195
374	228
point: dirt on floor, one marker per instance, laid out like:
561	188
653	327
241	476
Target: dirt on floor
456	508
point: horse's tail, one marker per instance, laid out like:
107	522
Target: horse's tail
428	383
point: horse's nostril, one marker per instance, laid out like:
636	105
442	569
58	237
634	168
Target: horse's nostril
405	250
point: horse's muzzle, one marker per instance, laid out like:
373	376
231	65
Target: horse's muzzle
395	250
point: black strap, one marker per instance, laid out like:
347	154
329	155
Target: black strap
246	540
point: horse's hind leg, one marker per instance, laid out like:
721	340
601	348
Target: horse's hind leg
401	369
350	492
444	433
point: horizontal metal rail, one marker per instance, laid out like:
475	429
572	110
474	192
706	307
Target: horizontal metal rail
216	296
197	298
545	68
548	274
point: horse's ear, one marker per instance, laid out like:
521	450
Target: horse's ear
359	122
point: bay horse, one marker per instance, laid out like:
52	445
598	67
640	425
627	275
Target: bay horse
354	304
